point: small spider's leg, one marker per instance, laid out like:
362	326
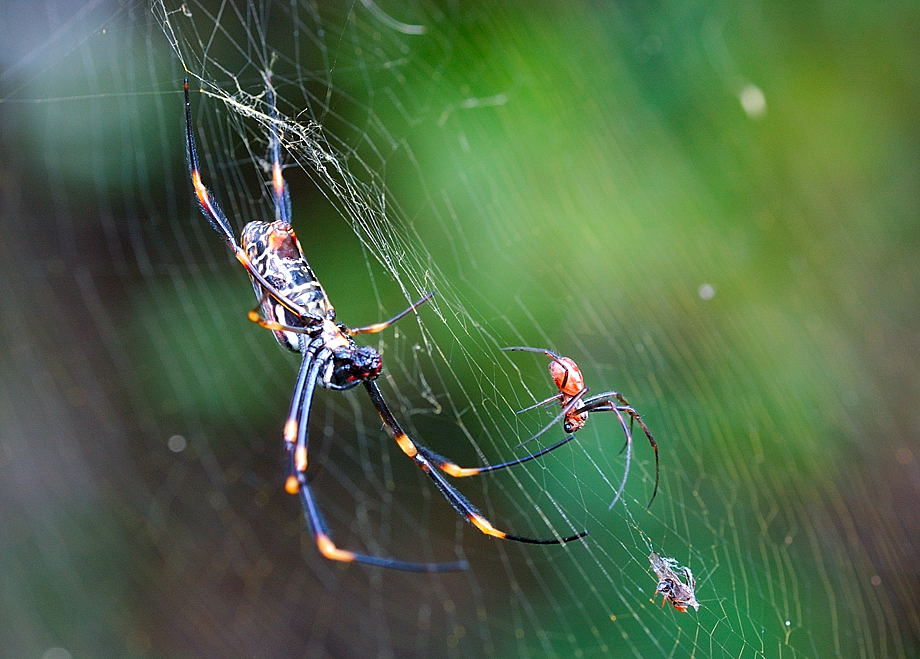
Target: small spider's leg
566	409
452	469
598	404
599	399
545	351
633	414
549	353
327	548
379	327
459	502
216	217
280	194
551	399
622	486
623	401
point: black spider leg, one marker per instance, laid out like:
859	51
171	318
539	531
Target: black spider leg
603	403
211	210
544	351
379	327
546	401
567	409
426	461
320	532
296	433
310	373
549	353
280	193
452	469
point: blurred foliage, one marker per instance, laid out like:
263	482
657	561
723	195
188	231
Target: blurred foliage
711	207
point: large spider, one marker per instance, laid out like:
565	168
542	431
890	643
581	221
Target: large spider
576	407
296	309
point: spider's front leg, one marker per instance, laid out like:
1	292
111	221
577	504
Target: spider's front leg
567	409
379	327
211	210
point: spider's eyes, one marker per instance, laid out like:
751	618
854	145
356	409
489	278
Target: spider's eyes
354	366
367	363
665	586
567	426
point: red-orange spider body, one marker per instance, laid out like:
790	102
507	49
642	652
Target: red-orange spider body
570	383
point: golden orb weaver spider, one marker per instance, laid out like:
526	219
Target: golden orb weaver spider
570	382
297	310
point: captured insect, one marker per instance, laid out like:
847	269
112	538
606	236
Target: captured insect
679	593
576	407
295	307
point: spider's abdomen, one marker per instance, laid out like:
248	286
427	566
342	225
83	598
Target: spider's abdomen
275	252
567	376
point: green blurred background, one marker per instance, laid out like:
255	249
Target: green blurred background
711	207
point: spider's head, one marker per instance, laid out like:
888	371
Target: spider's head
574	422
353	365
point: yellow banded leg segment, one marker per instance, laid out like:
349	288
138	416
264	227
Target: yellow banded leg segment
290	431
431	464
291	484
485	526
277	179
300	458
457	471
201	192
406	444
254	316
328	549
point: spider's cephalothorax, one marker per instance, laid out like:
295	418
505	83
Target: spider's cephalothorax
294	306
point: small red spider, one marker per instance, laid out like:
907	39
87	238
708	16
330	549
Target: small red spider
575	408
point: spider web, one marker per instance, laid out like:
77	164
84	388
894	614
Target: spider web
609	183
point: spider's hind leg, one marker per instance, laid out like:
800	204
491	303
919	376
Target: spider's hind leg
327	547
